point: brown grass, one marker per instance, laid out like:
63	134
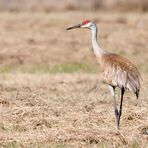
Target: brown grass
42	109
57	109
63	5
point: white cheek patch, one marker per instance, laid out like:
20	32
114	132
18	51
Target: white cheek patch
87	25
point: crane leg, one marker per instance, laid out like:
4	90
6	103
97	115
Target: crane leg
120	111
112	90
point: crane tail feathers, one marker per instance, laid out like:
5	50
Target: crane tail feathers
137	93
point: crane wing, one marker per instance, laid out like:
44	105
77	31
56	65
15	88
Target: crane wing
120	72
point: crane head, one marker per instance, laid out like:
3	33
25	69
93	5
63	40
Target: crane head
84	24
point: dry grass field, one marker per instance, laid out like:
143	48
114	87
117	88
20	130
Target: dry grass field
46	73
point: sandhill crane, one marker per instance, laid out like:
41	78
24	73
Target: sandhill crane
117	70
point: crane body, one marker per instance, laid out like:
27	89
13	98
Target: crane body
117	70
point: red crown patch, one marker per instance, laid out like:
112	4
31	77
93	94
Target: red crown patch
86	22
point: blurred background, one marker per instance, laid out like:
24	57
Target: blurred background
33	36
52	5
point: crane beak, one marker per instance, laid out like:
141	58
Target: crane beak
74	27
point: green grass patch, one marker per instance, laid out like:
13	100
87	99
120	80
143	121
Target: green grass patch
144	68
59	68
73	67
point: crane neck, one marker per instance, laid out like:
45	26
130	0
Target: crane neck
98	51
